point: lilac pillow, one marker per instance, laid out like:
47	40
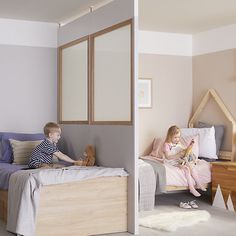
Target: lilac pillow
7	154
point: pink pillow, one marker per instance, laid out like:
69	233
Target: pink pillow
157	148
185	140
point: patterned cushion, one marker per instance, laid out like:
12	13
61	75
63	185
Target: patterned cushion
7	155
22	150
157	147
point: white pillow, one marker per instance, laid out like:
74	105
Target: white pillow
207	142
22	150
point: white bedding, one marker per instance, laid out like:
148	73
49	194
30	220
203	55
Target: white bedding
176	177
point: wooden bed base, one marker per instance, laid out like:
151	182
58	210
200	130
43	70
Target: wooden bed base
3	205
96	206
170	188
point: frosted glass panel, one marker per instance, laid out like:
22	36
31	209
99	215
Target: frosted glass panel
74	82
112	75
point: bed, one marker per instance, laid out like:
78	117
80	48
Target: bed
66	201
71	208
174	180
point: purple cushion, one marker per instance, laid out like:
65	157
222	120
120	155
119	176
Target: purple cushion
7	155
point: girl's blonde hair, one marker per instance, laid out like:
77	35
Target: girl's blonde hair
173	130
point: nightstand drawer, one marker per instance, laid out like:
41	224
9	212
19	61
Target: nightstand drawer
224	174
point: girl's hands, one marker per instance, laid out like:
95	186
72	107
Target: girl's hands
192	142
181	153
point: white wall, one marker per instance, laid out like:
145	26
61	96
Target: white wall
161	43
166	58
215	40
171	96
214	66
115	145
28	33
210	64
28	75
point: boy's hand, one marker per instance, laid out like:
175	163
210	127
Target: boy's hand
45	166
78	163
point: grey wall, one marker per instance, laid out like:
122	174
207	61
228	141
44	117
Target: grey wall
111	14
114	144
111	146
28	87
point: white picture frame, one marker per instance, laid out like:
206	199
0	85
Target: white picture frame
145	93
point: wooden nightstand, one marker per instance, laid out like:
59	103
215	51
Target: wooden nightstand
224	174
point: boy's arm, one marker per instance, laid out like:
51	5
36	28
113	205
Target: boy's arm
63	157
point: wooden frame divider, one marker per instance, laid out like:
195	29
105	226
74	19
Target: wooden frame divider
90	39
86	38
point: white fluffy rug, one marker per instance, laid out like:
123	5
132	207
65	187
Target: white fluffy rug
171	221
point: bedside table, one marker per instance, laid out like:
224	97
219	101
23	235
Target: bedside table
224	174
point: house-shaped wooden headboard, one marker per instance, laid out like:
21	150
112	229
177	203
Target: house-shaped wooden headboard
211	93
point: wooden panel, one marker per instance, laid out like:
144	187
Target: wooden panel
95	206
212	93
3	205
112	86
225	155
224	174
73	78
89	207
170	188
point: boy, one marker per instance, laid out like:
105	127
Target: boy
42	155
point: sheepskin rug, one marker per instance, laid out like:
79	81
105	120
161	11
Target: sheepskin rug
171	221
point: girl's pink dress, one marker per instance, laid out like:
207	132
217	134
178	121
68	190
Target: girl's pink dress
176	176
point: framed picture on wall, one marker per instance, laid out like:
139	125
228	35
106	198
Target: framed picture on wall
145	93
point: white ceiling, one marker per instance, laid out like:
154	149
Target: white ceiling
177	16
55	11
185	16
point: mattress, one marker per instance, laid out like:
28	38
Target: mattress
176	177
6	170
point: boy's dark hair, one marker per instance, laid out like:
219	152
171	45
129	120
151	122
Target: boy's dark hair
50	127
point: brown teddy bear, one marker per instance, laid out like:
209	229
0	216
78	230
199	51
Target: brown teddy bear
88	158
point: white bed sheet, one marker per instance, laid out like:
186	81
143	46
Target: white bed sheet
176	177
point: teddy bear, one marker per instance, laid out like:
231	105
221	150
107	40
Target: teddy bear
88	158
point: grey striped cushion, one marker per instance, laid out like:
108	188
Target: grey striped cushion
22	150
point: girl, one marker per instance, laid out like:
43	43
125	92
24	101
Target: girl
173	152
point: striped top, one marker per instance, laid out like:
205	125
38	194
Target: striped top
42	154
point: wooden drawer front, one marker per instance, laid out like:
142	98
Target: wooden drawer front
225	176
3	205
224	168
1	210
